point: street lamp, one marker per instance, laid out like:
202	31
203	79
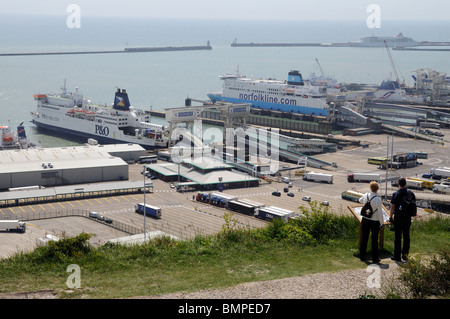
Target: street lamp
145	208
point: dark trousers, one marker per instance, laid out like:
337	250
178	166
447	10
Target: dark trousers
401	229
369	226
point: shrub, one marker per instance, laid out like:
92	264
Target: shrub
66	248
428	277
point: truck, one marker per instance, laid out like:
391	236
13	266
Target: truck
363	177
427	183
438	188
430	125
220	199
318	177
13	226
149	210
271	212
411	183
441	172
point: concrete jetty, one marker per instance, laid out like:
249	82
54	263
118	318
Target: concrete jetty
126	50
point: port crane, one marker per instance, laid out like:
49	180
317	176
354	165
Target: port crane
393	66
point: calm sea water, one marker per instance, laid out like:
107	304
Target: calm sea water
164	79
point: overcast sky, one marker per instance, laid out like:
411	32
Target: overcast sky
238	9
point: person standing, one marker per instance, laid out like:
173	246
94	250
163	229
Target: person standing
403	207
372	224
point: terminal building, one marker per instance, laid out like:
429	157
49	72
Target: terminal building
66	165
204	173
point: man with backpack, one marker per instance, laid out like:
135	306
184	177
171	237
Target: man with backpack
403	208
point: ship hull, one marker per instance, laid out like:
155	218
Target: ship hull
66	131
272	106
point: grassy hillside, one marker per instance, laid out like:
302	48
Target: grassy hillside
319	242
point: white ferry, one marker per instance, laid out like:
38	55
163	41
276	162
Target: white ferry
293	95
72	114
399	41
390	91
10	140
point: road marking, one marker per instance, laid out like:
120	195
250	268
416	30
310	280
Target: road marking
23	211
12	210
41	207
2	212
32	208
98	201
79	203
61	205
70	204
116	199
51	205
125	198
106	199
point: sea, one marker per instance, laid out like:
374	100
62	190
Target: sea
160	80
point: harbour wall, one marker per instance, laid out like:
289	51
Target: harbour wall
126	50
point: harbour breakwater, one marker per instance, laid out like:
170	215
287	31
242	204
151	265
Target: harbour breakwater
330	45
126	50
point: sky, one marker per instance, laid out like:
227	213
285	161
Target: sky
237	9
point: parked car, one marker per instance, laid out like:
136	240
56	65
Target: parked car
102	218
93	214
290	194
286	189
306	198
325	203
276	193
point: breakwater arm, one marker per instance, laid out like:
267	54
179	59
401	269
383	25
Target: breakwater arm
126	50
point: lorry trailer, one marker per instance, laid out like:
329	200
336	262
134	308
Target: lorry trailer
272	212
149	210
438	188
241	207
441	172
13	226
363	177
318	177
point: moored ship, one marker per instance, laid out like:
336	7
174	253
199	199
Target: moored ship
72	114
10	140
293	95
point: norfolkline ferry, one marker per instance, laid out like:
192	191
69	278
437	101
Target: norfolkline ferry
73	115
294	95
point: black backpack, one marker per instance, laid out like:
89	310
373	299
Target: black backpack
367	210
406	206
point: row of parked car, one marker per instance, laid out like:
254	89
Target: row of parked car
291	194
102	218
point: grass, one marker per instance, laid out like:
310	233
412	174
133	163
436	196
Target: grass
320	242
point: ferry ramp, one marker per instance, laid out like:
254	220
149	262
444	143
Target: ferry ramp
411	133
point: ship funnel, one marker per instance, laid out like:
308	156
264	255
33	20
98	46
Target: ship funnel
295	78
121	101
21	132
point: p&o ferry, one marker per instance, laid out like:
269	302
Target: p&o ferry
293	95
72	114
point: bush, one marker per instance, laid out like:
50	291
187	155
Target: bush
428	277
316	226
66	248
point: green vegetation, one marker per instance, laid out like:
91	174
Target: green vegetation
318	242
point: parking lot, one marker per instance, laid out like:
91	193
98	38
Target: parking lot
183	217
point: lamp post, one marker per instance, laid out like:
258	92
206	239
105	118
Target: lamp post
145	208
